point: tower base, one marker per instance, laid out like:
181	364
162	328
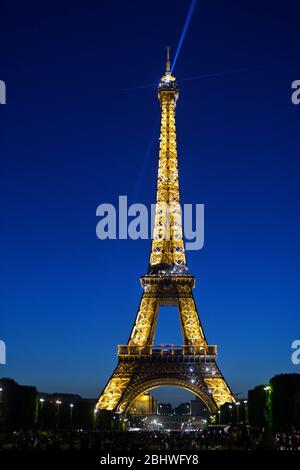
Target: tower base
141	369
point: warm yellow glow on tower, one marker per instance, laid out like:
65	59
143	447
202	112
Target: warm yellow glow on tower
143	366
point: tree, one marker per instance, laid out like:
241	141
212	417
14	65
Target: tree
285	401
18	405
257	406
9	400
27	407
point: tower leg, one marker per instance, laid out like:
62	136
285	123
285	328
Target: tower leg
192	329
144	327
115	387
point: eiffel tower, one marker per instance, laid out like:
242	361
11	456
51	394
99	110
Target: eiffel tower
143	366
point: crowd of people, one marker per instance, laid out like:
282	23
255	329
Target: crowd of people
141	441
288	440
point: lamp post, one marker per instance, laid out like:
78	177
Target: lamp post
246	410
268	391
1	401
95	417
230	410
237	403
71	414
219	416
58	403
41	411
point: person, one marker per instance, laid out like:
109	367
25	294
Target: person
295	441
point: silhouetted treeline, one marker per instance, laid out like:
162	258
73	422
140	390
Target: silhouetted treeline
23	407
275	406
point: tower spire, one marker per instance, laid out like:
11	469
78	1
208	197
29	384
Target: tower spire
167	253
168	64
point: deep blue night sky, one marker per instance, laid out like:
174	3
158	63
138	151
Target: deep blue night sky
77	130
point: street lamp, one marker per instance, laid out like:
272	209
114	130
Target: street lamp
95	417
246	410
71	414
42	407
219	416
230	409
58	405
267	388
237	411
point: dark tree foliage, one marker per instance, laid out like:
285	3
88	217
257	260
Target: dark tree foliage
257	406
21	408
18	406
285	401
27	406
278	407
8	405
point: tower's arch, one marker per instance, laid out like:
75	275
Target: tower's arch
145	386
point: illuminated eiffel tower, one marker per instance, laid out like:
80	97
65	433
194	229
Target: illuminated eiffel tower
141	365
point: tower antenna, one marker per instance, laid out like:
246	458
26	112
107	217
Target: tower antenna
168	65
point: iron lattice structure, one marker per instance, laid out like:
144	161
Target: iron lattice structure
141	365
